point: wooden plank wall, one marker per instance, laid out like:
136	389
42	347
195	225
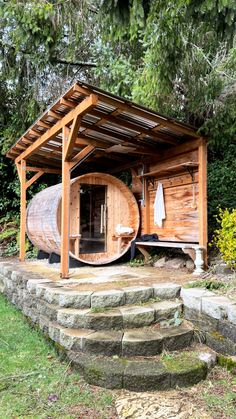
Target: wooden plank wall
181	201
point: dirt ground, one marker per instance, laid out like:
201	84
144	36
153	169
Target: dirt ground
214	398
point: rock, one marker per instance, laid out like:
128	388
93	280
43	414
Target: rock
232	314
190	264
72	318
209	358
146	376
111	319
222	269
48	310
75	299
166	291
192	297
137	316
160	263
111	298
166	310
176	263
54	332
176	339
220	344
73	339
202	321
139	294
107	342
141	343
227	329
103	372
216	306
32	284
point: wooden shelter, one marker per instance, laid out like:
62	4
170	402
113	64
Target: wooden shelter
92	131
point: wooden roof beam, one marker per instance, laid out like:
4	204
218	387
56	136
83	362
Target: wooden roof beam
80	109
44	169
35	160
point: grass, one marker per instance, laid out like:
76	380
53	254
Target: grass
218	394
34	383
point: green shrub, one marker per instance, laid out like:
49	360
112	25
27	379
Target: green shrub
221	181
225	236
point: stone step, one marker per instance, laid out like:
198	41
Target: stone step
64	296
126	343
159	373
120	318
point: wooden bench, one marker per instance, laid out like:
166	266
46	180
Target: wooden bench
192	249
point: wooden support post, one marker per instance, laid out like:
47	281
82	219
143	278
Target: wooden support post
202	208
65	208
24	185
21	168
146	207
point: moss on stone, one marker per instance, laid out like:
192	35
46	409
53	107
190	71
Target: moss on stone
93	374
227	362
217	336
182	362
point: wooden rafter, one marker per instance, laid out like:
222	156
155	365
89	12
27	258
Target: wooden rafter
81	155
55	129
131	126
136	111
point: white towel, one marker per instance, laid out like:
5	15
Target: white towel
159	206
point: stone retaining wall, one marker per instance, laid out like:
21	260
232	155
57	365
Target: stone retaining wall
214	316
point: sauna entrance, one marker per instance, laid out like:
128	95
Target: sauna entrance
93	218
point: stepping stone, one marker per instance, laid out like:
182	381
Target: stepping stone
166	310
42	288
111	319
104	342
137	316
183	369
141	343
175	338
139	294
145	376
166	291
32	284
103	372
111	298
68	298
186	369
72	318
73	339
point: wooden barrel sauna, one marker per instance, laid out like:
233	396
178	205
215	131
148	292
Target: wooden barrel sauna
104	219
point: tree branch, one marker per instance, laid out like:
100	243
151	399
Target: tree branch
79	64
